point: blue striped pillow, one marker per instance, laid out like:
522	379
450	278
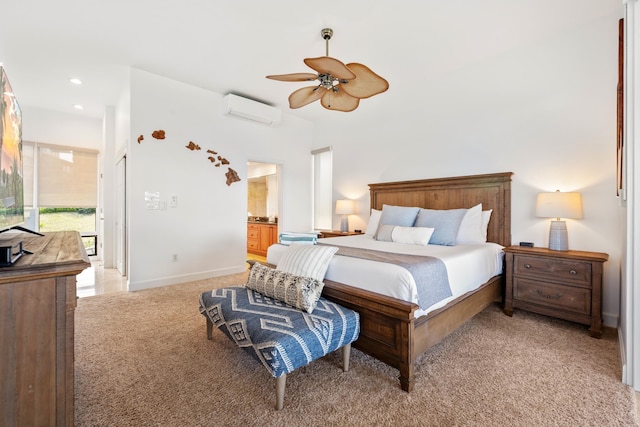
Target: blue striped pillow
307	260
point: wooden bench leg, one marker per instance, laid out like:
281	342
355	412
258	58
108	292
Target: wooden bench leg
209	329
280	383
346	354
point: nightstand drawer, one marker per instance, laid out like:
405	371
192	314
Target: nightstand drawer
575	299
574	272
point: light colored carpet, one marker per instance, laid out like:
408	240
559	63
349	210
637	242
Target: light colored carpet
143	359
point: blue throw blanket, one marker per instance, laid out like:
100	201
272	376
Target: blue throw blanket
429	273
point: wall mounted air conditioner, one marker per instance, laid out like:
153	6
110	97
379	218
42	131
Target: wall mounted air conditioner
248	109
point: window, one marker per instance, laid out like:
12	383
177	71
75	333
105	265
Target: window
322	188
61	190
67	177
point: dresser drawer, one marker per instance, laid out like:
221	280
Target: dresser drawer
571	298
567	271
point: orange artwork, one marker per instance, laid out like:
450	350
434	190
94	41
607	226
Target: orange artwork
192	146
158	134
232	176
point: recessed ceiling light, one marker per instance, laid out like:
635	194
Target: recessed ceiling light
78	107
75	81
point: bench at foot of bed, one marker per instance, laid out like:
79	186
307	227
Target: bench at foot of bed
283	338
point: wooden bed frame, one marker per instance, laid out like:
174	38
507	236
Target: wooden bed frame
389	330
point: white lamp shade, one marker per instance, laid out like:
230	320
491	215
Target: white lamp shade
559	205
345	207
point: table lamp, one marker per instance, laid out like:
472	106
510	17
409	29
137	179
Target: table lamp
559	205
345	207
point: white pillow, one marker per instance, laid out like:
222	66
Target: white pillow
412	235
470	230
374	221
400	234
486	217
307	260
397	215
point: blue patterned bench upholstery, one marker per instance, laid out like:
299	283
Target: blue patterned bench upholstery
283	338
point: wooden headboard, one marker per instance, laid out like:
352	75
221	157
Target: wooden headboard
492	190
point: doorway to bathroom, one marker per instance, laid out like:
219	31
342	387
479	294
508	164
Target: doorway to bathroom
263	203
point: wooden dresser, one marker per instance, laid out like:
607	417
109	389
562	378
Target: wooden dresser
260	236
37	303
563	284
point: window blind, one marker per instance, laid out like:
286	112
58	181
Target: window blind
67	177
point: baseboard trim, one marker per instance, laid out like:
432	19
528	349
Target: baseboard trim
183	278
623	357
610	320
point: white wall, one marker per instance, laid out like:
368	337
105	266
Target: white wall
54	127
546	112
207	229
106	199
116	128
629	331
123	120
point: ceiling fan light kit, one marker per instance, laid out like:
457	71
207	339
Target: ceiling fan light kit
341	86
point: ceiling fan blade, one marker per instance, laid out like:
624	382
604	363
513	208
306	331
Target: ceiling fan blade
328	65
340	100
366	84
294	77
306	95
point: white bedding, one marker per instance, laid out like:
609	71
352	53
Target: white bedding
468	266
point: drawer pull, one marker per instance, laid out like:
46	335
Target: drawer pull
527	266
573	272
556	296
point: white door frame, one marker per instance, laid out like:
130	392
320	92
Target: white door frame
121	217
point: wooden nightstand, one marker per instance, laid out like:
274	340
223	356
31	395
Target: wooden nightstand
337	233
563	284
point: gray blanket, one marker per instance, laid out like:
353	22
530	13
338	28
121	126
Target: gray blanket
429	273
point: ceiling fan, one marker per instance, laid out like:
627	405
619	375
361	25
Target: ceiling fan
341	86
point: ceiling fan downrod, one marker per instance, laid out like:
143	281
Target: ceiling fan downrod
326	34
327	80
